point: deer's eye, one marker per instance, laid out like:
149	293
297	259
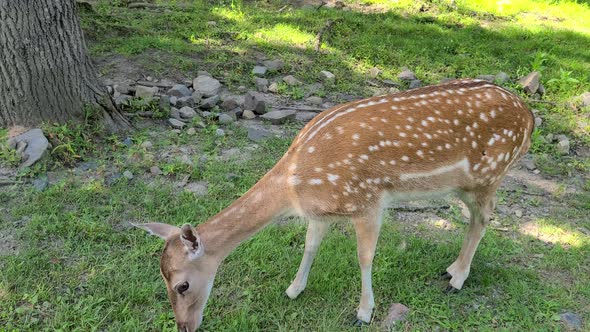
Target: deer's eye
181	288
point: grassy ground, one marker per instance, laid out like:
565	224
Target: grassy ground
70	260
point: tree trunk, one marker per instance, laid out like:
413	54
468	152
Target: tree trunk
46	74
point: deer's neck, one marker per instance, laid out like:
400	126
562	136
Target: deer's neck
265	201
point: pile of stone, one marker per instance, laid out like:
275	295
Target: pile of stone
206	97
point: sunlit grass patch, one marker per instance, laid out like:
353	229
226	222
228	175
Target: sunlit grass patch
548	232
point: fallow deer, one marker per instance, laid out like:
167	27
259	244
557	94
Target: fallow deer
351	160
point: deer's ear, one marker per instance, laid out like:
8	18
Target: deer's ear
161	230
192	242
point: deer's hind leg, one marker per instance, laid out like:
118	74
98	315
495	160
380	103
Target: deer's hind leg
481	204
367	233
316	230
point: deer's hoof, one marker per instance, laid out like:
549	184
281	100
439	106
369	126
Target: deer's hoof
359	323
451	290
446	275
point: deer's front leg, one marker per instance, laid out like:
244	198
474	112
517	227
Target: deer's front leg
316	230
367	233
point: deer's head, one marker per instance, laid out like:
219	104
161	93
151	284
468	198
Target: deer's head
187	271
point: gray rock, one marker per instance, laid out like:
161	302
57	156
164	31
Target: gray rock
187	113
41	183
393	90
261	84
36	146
186	160
279	116
407	75
291	80
173	100
203	73
415	84
207	86
258	135
550	138
305	116
112	178
185	101
225	118
128	141
155	170
274	65
230	103
254	101
20	148
142	91
176	131
530	83
572	321
175	113
397	312
242	89
489	78
313	89
541	90
563	147
538	121
585	99
179	90
327	76
122	100
196	97
248	115
518	213
219	132
232	176
128	175
561	138
374	72
200	188
210	102
314	100
123	89
529	164
259	71
164	104
446	80
147	145
501	78
273	87
176	124
191	131
391	83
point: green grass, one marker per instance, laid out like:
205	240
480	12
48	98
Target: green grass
81	267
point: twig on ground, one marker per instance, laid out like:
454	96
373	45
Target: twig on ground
159	85
283	8
524	192
320	35
9	182
421	209
142	5
300	108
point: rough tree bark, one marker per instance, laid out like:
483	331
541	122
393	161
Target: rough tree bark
45	71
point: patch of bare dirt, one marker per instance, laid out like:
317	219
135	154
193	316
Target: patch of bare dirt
8	243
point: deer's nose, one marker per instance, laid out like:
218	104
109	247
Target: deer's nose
182	327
